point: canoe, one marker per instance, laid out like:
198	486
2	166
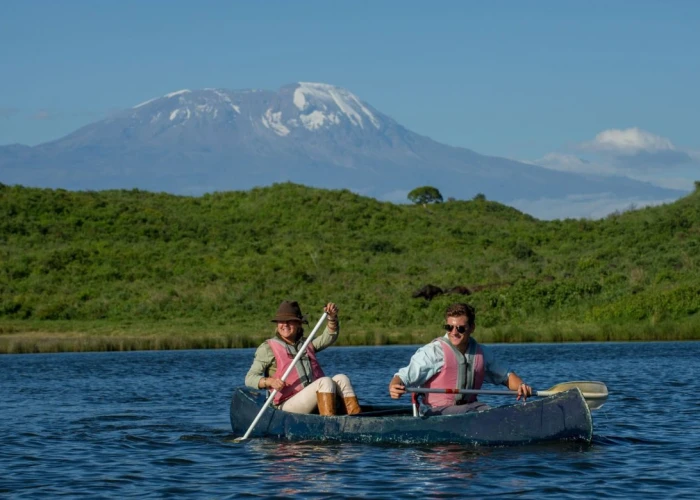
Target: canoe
562	416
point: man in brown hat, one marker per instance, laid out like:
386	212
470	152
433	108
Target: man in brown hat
306	387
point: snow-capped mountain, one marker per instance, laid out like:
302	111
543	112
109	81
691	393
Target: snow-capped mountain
196	141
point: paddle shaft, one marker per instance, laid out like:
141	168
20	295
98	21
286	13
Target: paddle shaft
284	377
423	390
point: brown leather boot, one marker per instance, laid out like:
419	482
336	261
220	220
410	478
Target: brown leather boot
352	407
326	403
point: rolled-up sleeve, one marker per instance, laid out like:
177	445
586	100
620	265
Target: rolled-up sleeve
424	364
261	364
326	339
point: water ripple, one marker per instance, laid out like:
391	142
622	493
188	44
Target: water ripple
155	425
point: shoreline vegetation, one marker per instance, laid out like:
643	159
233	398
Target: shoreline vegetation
136	270
22	338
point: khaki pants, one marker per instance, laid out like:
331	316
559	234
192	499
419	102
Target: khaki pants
305	400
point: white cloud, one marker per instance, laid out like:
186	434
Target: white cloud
571	163
632	153
629	141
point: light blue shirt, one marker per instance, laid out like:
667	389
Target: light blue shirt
429	360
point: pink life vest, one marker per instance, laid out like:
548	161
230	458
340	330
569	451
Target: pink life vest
305	371
460	371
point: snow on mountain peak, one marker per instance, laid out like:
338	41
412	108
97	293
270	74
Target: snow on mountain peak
302	106
166	96
274	121
322	96
207	102
177	92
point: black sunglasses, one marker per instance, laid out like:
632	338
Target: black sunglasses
460	328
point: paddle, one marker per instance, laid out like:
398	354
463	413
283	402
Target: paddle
595	393
302	350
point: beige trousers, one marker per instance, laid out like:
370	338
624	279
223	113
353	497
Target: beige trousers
305	400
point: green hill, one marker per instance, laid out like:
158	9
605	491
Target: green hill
134	269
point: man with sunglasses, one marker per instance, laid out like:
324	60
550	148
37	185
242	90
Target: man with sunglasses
455	361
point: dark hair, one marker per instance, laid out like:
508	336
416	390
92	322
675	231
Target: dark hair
461	309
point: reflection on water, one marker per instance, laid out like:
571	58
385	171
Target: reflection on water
453	460
314	467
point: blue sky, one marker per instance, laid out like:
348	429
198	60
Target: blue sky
607	86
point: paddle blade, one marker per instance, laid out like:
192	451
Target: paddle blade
595	393
585	386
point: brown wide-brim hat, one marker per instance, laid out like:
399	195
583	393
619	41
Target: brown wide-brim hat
289	311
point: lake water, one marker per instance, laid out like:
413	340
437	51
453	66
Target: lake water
156	425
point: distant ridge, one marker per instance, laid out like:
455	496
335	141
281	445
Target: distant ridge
197	141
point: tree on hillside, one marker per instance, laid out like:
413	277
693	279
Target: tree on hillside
425	194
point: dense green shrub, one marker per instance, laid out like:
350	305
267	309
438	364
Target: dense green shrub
230	257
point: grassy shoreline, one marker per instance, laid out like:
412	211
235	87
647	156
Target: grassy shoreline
125	270
51	337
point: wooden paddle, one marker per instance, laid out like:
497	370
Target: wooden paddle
302	350
595	393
